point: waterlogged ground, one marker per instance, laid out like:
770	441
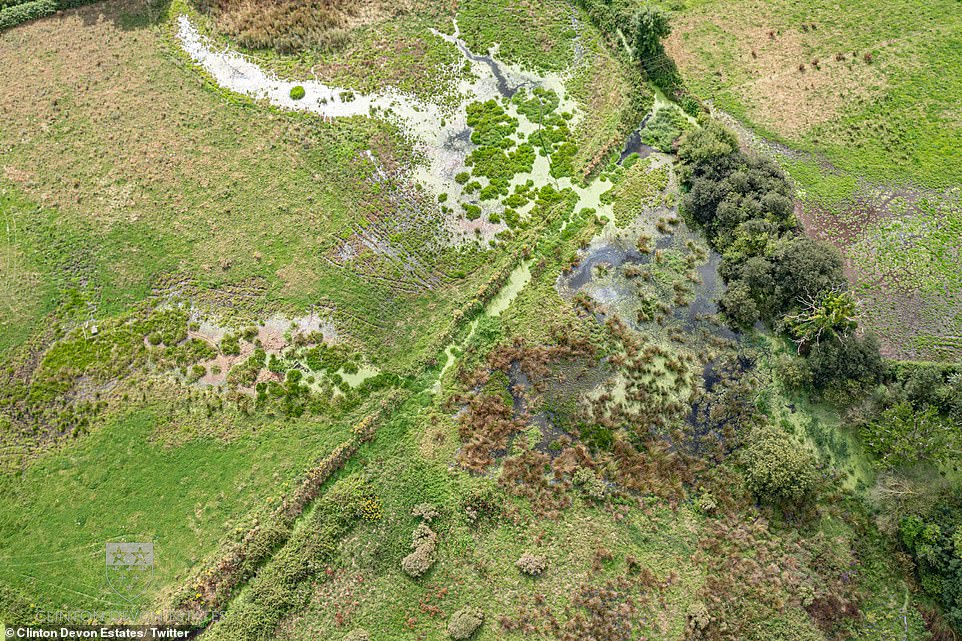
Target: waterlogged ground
500	107
504	145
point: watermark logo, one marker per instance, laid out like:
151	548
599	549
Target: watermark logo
130	569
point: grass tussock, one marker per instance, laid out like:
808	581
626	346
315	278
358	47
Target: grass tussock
294	25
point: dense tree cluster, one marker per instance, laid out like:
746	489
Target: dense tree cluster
774	273
911	413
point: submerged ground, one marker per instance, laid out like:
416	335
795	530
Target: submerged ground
433	335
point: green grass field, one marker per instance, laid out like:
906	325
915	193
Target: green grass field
127	482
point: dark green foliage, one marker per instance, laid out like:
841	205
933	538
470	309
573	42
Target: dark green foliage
728	190
744	204
935	542
20	13
739	305
852	360
707	143
14	12
804	267
938	385
644	29
651	27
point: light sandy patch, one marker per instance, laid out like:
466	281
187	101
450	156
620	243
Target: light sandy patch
18	176
789	82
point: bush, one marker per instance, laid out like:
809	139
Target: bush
712	141
651	27
297	92
903	435
20	13
777	469
804	267
738	305
230	345
698	616
664	128
424	542
793	373
425	511
532	564
846	358
464	623
591	485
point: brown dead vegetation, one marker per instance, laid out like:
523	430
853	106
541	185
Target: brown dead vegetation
295	25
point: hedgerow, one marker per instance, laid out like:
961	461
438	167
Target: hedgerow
18	12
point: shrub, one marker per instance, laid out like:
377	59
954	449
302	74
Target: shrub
847	358
424	543
664	128
532	564
425	511
297	92
793	373
903	435
465	622
739	305
592	486
698	616
20	13
777	469
230	345
651	27
826	316
804	267
706	143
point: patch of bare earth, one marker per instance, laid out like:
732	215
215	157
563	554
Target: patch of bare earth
788	81
892	306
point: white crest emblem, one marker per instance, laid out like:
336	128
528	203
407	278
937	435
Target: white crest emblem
130	568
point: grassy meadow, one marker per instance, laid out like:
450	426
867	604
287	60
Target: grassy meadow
132	480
